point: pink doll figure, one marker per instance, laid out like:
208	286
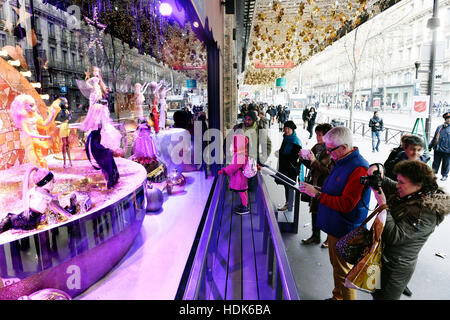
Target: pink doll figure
238	182
98	116
27	119
163	106
139	97
97	72
40	206
144	149
96	91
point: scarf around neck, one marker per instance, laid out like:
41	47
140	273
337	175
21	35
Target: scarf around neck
290	141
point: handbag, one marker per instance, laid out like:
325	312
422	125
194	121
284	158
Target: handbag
356	244
250	168
366	274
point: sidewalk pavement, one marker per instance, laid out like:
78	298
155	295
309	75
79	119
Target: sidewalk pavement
310	264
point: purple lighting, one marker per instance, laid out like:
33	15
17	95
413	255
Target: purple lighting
165	9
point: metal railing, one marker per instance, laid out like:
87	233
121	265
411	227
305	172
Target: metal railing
278	281
389	135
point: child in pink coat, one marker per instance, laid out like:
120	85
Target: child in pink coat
238	182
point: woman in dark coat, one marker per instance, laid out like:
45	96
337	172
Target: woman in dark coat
281	117
416	205
311	121
288	161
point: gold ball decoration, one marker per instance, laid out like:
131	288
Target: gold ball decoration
281	35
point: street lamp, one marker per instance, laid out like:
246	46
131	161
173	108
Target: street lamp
417	64
433	23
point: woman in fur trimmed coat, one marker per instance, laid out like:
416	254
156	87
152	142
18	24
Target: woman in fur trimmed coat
416	205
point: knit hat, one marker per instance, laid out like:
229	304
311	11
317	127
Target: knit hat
290	124
446	115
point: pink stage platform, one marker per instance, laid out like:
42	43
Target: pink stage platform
71	255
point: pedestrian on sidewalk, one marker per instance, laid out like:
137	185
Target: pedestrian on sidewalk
311	121
288	157
319	163
414	147
263	123
394	152
343	201
281	117
376	124
441	146
305	117
416	205
260	145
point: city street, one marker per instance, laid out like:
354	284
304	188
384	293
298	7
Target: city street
310	264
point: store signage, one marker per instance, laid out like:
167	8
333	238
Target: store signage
176	97
288	64
191	83
281	82
63	89
421	105
189	67
376	103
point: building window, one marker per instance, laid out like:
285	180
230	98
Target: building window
2	40
51	30
52	54
14	16
64	56
37	23
407	77
446	75
74	59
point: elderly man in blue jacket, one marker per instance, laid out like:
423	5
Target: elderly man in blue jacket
441	146
343	201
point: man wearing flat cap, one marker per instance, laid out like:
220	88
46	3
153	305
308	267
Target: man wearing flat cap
441	146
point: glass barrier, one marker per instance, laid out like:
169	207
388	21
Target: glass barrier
253	265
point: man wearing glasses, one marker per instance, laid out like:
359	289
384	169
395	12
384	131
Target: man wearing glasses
342	201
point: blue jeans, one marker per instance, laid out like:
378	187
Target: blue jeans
375	134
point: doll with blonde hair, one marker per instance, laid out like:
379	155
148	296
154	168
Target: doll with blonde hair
163	106
27	119
139	97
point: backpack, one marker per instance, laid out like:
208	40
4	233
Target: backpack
250	168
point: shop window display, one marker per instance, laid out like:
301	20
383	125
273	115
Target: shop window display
67	92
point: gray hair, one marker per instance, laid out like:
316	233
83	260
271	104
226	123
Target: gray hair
339	136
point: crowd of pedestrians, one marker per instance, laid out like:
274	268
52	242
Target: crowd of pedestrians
339	201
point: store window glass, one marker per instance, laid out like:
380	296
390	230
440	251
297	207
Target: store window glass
137	54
